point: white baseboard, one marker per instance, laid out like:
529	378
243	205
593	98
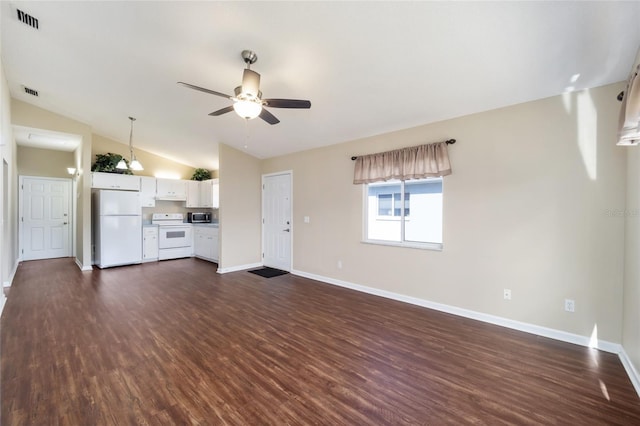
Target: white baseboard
492	319
11	275
8	283
82	267
630	369
551	333
238	268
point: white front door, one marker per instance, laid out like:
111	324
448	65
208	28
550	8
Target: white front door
45	218
276	221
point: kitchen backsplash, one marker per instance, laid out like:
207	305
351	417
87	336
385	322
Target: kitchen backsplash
173	207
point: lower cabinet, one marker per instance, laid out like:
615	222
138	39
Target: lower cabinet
149	243
205	242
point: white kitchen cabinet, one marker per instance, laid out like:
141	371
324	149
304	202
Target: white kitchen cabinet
171	189
193	193
115	181
205	242
215	249
203	194
150	244
215	194
147	191
206	193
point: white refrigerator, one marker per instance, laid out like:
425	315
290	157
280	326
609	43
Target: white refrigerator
117	226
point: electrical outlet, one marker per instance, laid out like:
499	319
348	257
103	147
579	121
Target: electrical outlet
569	305
507	294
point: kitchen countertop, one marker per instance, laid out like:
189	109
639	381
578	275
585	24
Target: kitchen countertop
208	225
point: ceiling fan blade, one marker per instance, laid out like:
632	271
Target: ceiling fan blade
287	103
222	111
268	117
202	89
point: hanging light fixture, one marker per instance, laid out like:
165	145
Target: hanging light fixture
134	164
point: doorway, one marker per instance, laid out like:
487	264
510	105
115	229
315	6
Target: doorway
45	222
277	229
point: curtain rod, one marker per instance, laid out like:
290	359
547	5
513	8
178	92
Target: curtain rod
448	142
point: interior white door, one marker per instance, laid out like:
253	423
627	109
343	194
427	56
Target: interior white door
45	218
276	221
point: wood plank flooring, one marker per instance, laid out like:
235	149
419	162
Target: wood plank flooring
175	343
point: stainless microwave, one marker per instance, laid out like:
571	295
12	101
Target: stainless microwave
197	217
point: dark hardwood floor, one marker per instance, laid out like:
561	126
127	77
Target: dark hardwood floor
175	343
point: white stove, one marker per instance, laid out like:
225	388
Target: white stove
167	219
175	236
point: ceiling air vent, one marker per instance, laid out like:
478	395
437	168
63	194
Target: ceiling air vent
27	19
30	91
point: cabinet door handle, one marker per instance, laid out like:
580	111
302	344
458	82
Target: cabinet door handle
286	230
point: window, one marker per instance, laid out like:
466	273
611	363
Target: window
406	213
391	205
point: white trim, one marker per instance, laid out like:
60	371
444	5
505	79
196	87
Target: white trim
70	201
82	267
630	369
8	283
291	229
238	268
479	316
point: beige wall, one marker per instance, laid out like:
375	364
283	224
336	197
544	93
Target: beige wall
631	320
154	165
526	208
44	162
8	187
240	210
27	115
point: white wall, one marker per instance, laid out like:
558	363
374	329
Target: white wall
8	182
530	206
27	115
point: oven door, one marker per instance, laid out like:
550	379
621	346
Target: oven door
174	236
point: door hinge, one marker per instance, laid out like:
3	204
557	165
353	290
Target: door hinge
263	186
263	255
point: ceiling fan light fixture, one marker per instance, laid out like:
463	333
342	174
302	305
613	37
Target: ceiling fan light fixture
247	109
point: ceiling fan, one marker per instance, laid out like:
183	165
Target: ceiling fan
247	99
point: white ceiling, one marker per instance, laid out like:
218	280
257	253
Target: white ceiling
367	67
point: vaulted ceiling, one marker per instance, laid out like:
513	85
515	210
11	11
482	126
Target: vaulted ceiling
367	67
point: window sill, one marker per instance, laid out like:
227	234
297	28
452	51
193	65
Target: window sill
414	245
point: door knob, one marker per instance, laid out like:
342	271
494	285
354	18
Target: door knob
65	223
286	230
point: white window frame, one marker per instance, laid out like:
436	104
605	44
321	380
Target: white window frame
401	218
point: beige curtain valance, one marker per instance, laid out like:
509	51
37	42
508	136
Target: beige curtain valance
629	123
416	162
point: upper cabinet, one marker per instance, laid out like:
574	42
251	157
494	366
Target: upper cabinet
203	194
171	189
193	193
215	193
147	191
206	194
115	181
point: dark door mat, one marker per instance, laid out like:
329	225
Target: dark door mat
268	272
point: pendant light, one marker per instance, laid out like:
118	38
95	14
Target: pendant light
134	164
